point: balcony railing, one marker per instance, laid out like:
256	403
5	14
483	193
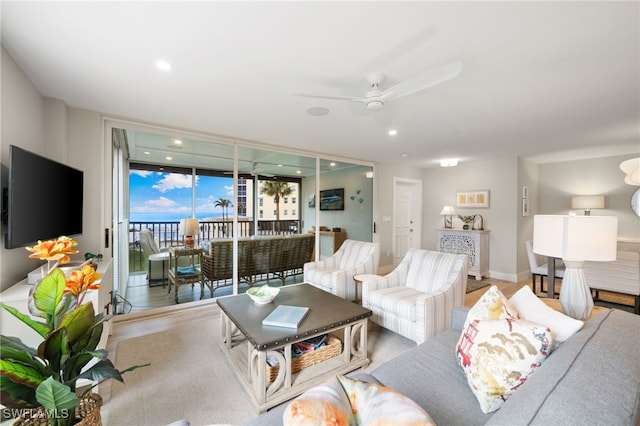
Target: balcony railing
167	235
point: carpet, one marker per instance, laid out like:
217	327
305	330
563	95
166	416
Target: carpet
473	285
190	378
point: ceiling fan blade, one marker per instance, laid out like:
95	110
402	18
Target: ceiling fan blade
340	98
425	80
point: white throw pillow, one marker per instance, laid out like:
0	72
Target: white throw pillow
531	308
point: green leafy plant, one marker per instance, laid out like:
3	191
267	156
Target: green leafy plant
46	376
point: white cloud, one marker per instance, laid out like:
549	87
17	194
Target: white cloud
141	173
229	190
173	181
161	205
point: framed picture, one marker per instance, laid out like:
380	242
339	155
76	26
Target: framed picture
332	199
525	192
525	207
477	198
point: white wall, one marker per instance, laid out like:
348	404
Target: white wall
22	125
499	176
600	176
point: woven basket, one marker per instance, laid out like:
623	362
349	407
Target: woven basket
87	413
331	349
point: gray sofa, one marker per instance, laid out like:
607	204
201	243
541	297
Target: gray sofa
591	379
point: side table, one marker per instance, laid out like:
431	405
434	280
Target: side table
189	273
358	280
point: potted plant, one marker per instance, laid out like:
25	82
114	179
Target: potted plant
46	376
466	220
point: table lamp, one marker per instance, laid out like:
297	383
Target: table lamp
587	202
575	239
448	212
189	227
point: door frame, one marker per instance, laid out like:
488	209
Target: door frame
416	192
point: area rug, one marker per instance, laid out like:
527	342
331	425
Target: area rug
473	285
190	378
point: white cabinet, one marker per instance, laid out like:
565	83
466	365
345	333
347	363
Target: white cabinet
475	244
17	296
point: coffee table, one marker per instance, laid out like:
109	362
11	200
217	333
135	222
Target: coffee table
246	342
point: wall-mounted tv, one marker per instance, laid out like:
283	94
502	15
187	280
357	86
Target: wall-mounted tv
44	199
332	199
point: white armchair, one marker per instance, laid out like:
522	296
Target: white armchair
335	273
415	300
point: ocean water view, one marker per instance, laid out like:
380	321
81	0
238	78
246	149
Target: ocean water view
170	217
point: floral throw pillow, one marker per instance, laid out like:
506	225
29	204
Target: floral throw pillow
492	305
325	404
373	404
498	356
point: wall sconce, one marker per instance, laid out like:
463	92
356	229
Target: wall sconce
448	212
575	239
587	202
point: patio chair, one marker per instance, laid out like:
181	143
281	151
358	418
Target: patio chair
158	259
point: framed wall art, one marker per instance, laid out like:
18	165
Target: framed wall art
477	198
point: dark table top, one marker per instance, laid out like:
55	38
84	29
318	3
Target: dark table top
326	311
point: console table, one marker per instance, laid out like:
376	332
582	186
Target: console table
475	244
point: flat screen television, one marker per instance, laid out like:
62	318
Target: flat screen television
44	199
332	199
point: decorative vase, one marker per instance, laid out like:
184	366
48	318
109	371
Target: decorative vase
87	413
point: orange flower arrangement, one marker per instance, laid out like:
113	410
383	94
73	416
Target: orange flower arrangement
46	376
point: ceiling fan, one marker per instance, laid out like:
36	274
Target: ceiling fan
375	98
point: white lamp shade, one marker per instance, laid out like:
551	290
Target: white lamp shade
447	210
632	170
192	227
587	202
576	237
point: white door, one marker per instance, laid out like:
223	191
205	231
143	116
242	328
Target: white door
407	216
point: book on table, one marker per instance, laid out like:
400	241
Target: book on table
286	316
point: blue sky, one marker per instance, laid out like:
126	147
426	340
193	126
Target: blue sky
167	196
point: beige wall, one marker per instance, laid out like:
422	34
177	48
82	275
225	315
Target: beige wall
71	136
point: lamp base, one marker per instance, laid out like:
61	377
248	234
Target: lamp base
188	241
575	295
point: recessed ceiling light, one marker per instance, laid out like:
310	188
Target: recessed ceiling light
332	164
280	165
392	132
451	162
169	158
404	155
298	171
163	65
177	141
147	153
317	111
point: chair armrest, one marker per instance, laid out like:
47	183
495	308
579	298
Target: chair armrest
329	262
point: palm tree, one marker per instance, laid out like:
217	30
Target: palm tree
225	204
277	189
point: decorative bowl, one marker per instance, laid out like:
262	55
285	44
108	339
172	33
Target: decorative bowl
263	294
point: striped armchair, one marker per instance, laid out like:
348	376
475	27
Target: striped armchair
416	298
335	273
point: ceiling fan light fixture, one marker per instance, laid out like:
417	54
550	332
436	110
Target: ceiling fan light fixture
451	162
375	105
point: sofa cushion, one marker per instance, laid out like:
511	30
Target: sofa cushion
323	404
374	404
401	301
497	356
531	308
322	278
